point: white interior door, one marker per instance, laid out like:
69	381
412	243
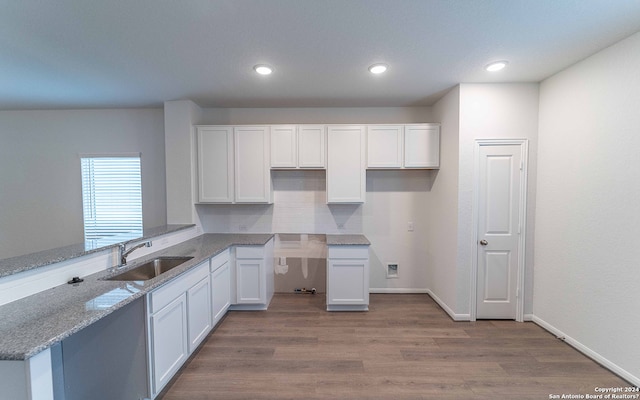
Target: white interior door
500	174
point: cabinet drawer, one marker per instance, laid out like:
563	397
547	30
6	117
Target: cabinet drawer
249	251
353	252
174	288
219	260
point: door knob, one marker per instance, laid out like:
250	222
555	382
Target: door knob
484	242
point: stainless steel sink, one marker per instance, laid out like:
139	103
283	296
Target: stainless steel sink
150	269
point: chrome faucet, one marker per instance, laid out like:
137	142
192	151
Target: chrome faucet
124	252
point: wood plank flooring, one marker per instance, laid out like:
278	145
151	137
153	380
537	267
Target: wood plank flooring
405	347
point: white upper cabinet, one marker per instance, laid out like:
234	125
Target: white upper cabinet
422	146
346	175
384	146
311	146
252	173
215	164
284	146
233	164
403	146
300	146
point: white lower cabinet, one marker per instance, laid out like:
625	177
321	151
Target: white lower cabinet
220	286
168	341
199	312
182	312
179	319
254	277
348	278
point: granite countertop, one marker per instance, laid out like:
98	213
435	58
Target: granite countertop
35	323
14	265
347	240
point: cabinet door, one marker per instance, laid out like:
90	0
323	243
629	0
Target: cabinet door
347	282
252	167
220	292
168	341
284	146
250	281
199	312
384	146
422	146
311	146
346	179
215	164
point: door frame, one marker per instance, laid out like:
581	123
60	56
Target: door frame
524	148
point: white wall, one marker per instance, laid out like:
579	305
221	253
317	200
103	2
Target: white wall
337	115
493	111
40	185
179	118
587	273
393	197
442	211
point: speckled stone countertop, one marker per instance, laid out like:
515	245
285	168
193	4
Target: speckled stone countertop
34	323
14	265
347	240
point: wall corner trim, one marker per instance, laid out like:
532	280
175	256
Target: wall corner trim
624	374
447	309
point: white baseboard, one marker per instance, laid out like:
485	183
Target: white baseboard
445	307
634	380
527	317
398	290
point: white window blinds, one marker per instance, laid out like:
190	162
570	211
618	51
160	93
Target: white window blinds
111	198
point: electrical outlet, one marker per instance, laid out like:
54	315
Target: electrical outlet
410	226
392	270
340	226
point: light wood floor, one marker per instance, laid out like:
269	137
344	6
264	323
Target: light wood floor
405	347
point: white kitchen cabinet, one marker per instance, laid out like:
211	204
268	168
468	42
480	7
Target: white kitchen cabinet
220	286
199	312
300	146
252	172
346	176
168	341
284	146
179	318
348	278
254	277
384	146
233	164
403	146
215	164
422	146
311	146
251	288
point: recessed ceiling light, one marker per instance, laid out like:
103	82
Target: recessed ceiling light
263	69
378	68
496	66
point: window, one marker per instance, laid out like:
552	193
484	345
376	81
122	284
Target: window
111	199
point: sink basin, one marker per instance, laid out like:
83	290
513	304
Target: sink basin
150	269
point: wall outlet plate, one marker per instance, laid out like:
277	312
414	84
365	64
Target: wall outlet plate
392	270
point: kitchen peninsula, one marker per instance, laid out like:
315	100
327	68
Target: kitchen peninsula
33	327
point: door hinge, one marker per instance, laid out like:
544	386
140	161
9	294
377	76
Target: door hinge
518	293
521	165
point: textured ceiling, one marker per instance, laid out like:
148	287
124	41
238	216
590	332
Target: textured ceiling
139	53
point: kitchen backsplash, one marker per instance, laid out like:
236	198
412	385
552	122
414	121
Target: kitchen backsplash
299	207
